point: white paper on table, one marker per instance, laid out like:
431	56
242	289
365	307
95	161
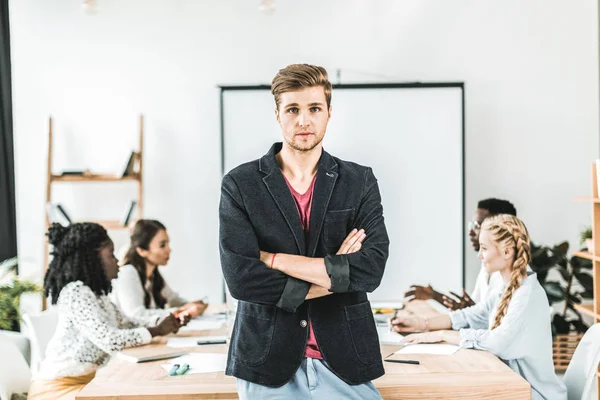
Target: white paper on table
200	363
388	304
429	348
192	341
199	324
387	337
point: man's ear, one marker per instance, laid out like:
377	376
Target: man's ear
330	109
277	115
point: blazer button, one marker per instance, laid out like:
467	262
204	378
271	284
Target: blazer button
303	323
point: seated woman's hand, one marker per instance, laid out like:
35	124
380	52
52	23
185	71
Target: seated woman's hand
192	309
427	337
403	324
170	324
184	319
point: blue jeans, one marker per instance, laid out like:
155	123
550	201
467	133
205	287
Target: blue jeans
313	381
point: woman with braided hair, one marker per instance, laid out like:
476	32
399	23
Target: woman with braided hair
90	327
513	324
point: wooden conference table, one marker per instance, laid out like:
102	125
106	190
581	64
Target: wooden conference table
467	374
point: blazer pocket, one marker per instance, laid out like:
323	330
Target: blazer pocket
254	332
337	225
363	331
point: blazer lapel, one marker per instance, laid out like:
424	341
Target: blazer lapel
282	196
324	184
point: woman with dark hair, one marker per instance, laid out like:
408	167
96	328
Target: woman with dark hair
140	290
90	327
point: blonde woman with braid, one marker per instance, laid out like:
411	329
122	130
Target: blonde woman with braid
513	324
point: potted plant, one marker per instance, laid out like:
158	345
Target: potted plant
545	259
11	289
585	238
567	323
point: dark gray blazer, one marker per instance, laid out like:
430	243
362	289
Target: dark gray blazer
257	212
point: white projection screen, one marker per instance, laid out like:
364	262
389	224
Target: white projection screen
412	135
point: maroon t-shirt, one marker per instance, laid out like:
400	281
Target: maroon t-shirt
304	204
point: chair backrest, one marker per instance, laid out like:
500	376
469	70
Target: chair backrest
15	375
581	372
41	328
21	341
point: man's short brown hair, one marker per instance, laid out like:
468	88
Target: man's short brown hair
296	77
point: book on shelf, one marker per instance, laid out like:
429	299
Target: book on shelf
133	165
127	218
72	173
57	214
128	170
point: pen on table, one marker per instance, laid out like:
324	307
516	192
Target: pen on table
209	342
173	370
183	369
393	318
415	362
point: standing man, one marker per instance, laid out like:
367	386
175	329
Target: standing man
302	241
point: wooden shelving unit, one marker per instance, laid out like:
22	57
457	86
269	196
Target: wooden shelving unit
593	310
92	178
587	255
98	178
587	309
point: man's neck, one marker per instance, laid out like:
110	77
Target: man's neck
298	165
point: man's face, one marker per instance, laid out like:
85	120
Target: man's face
303	118
475	226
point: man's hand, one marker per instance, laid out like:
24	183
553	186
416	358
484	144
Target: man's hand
417	292
460	302
353	242
316	291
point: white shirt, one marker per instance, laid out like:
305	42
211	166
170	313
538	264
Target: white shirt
486	284
128	295
523	340
89	329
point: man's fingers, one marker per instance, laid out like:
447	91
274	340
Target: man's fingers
347	242
354	233
448	302
458	297
355	236
466	296
356	247
411	292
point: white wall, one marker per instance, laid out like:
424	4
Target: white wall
531	73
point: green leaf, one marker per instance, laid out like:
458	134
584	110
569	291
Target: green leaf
561	248
554	291
10	295
586	280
